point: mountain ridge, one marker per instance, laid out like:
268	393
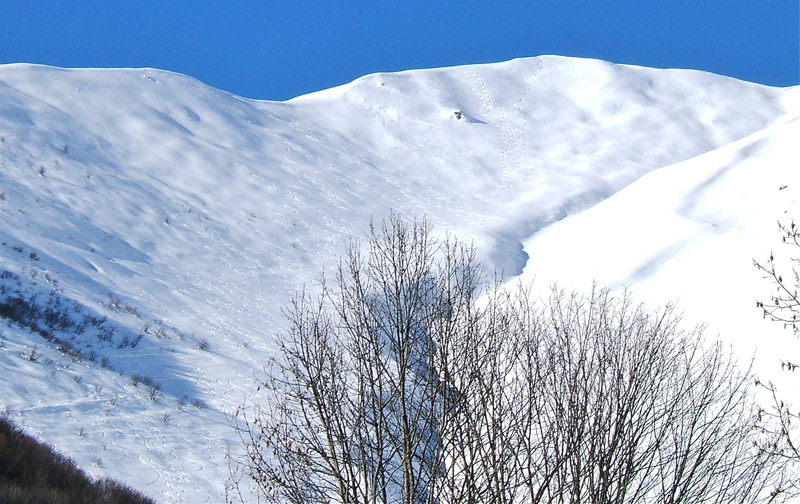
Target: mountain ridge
188	216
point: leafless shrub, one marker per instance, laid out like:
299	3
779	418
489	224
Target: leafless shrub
397	383
33	354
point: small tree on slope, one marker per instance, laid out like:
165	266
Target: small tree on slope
783	306
398	384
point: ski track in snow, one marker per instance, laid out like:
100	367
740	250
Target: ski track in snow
188	217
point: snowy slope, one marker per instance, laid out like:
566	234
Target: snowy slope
689	232
187	216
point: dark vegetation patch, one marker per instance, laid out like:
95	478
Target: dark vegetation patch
65	323
32	472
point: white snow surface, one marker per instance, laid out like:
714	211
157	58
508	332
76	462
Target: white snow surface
189	216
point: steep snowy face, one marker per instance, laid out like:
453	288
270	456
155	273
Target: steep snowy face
689	232
188	216
543	137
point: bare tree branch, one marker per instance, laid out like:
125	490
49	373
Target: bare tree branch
409	379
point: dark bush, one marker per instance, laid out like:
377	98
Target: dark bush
31	472
57	319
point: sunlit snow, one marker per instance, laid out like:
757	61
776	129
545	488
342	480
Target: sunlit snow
188	216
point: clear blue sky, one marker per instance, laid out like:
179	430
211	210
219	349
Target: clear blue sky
277	49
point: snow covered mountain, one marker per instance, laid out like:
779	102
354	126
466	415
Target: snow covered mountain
161	225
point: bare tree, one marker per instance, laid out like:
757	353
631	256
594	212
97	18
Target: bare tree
410	379
783	305
779	420
623	406
360	407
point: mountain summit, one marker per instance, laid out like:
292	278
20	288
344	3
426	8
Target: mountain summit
162	224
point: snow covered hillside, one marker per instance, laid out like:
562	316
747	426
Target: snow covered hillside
160	225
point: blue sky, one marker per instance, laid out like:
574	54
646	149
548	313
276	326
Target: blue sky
273	49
